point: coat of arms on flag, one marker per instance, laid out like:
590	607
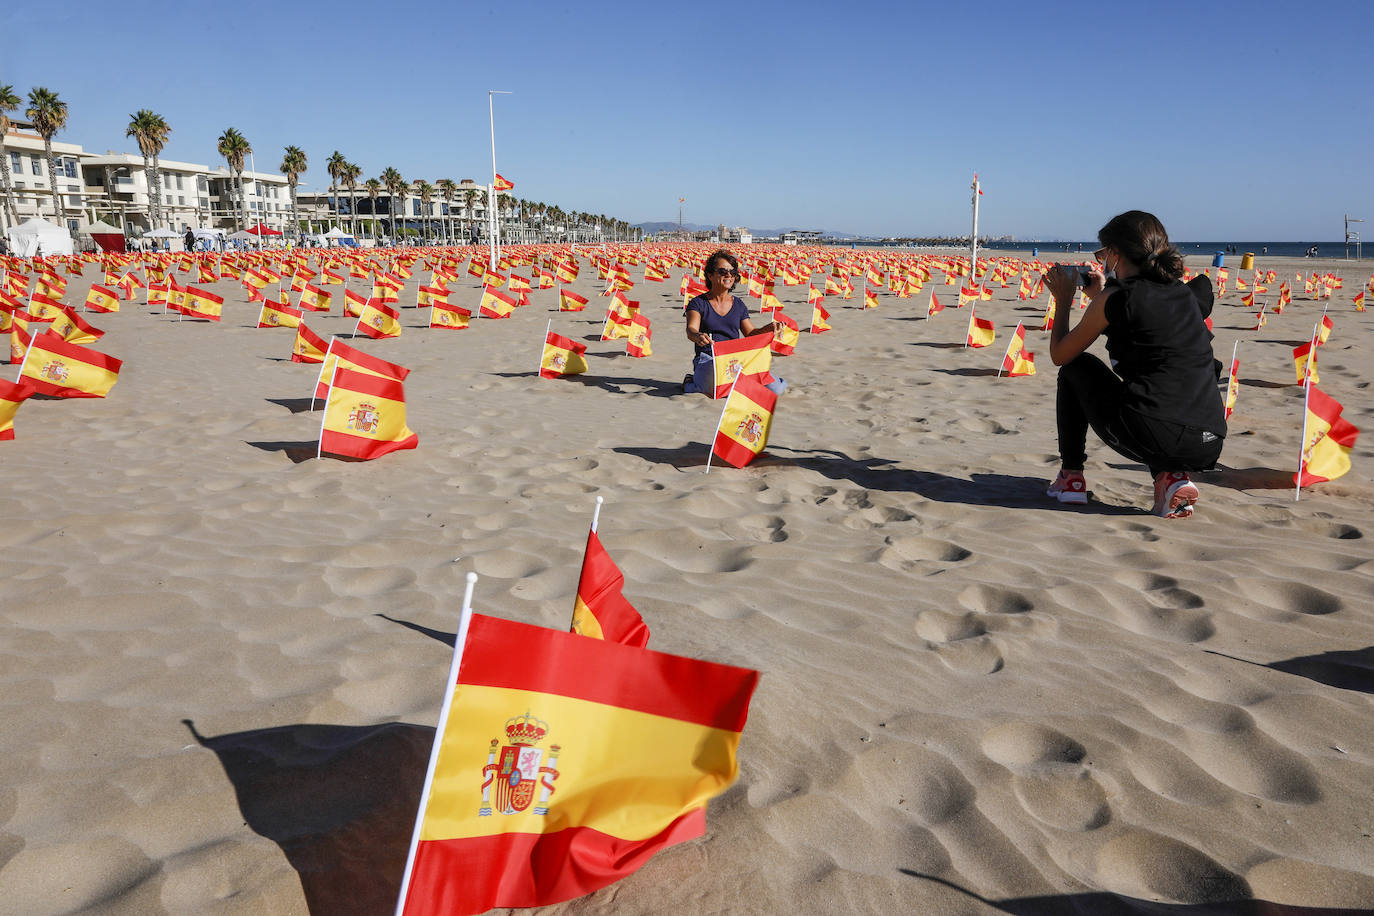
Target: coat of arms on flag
516	771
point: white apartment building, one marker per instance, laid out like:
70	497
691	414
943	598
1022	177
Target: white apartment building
353	211
29	173
117	190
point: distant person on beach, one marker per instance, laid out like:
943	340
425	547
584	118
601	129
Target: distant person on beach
718	315
190	240
1159	403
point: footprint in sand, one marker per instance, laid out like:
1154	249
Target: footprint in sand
1143	864
1048	776
960	641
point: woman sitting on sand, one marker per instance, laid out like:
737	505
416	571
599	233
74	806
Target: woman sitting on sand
1161	406
719	315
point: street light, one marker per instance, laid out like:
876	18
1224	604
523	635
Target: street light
491	191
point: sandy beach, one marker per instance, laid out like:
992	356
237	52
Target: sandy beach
222	664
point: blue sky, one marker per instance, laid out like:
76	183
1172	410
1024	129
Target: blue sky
1243	121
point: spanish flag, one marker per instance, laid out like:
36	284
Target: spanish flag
157	294
601	610
313	299
501	184
43	309
562	356
205	273
332	276
640	341
279	316
564	764
365	417
453	317
341	354
980	330
768	302
785	334
569	301
202	304
1018	360
72	329
1359	301
934	308
870	297
1305	362
1324	329
495	304
308	347
744	356
378	321
428	295
744	424
619	314
301	278
20	338
568	270
354	303
64	370
820	319
1327	440
1232	387
100	299
12	394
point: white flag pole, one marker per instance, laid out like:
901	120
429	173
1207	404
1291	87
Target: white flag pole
596	513
1302	443
460	640
542	344
721	422
319	446
319	378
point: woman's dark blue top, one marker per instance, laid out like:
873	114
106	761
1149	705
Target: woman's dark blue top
720	327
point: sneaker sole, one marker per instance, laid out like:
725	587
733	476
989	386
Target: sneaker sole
1069	497
1180	498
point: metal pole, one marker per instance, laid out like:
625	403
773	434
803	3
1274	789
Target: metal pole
973	259
491	195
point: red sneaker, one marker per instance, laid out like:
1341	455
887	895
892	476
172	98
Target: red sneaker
1175	495
1069	487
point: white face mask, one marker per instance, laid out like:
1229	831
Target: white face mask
1108	273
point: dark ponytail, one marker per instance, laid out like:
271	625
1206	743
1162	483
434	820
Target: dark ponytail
1141	239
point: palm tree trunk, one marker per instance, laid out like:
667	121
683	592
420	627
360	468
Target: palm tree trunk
52	180
9	186
157	182
295	215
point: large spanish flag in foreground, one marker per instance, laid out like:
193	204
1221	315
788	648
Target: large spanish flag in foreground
13	394
365	417
744	356
562	356
1327	440
744	424
64	370
563	764
602	610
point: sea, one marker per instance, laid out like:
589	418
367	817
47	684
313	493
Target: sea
1235	249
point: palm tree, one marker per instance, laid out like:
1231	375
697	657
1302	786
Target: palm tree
396	187
426	192
335	166
448	188
293	165
149	129
49	115
9	101
350	175
234	147
373	187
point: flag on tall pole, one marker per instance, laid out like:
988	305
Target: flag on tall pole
561	764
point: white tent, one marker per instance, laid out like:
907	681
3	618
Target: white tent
38	236
337	233
100	227
161	233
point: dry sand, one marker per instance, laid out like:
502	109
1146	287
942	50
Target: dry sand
221	668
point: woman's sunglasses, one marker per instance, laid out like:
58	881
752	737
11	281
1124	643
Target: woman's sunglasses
725	272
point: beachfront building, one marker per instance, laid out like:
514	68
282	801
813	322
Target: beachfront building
29	172
352	210
117	190
266	199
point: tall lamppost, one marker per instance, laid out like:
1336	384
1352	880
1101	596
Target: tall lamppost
1352	235
492	209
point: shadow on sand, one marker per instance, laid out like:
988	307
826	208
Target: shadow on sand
296	405
1348	669
298	452
339	800
1231	895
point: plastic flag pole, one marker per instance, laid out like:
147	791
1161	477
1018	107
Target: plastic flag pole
460	640
319	446
539	370
1302	443
720	423
596	513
